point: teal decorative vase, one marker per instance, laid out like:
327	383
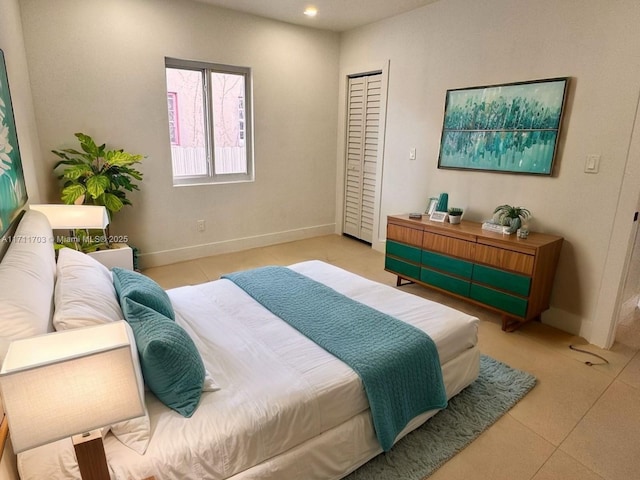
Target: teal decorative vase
443	202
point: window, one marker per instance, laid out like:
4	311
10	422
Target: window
209	107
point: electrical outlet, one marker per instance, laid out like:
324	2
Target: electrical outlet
200	225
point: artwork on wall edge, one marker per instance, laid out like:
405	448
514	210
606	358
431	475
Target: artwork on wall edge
509	128
13	193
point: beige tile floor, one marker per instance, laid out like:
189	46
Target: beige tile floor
579	422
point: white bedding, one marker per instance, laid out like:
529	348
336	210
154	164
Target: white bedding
286	408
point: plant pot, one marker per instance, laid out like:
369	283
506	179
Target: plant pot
455	219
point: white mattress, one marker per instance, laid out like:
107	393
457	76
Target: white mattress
284	402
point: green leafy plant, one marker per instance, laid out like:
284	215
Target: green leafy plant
513	217
86	241
96	175
455	211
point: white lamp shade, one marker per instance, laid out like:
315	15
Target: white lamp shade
65	383
69	217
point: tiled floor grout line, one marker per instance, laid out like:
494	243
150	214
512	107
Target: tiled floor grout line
558	447
635	387
612	379
581	419
555	447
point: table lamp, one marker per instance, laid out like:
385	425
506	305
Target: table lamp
72	217
70	384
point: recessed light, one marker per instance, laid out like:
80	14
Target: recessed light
311	11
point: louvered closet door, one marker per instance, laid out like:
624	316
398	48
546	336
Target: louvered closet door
363	122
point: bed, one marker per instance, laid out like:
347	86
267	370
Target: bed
275	405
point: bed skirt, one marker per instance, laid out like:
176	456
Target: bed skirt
339	451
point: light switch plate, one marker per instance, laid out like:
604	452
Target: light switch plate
592	164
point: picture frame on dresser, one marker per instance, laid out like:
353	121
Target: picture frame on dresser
438	216
431	206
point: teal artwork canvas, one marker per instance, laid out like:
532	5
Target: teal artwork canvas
13	194
503	128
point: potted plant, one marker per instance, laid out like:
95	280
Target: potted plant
96	175
512	217
455	215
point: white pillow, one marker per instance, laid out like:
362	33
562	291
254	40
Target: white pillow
135	433
84	292
209	385
27	277
85	296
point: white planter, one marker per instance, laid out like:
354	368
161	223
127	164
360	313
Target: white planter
120	255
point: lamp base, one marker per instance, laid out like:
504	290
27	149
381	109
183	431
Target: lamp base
92	460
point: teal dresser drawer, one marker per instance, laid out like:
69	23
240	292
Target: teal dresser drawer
446	282
401	268
511	282
460	268
503	301
413	254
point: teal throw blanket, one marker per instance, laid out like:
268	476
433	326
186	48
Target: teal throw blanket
398	363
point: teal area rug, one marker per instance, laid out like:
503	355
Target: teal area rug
497	389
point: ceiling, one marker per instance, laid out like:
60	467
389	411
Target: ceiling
336	15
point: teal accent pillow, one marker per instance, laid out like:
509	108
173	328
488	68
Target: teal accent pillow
171	364
141	289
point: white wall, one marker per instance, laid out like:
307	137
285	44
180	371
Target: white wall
457	43
98	67
12	44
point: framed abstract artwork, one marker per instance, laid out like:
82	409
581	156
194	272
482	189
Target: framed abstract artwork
13	193
511	128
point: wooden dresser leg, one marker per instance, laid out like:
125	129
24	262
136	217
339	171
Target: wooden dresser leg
399	281
510	324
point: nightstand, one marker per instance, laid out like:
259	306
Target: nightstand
121	255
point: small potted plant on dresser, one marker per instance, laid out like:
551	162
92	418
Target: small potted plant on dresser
511	217
455	215
97	176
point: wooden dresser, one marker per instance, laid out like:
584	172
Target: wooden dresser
510	275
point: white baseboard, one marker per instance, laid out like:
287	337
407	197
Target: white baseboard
379	245
167	257
567	322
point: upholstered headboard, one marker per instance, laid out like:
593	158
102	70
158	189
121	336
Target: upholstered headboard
5	240
27	279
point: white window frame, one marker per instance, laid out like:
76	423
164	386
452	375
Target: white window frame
206	69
